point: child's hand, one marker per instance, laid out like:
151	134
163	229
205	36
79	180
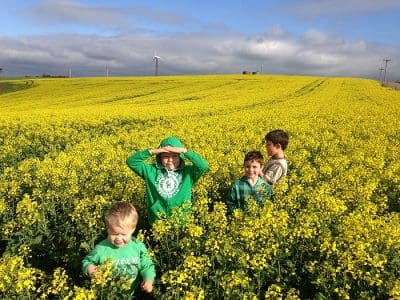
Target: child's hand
158	151
175	149
147	286
91	270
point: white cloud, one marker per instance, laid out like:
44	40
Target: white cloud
319	38
273	48
314	53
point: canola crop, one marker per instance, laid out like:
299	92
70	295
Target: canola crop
330	232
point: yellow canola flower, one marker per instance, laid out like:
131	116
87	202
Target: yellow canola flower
3	206
65	141
28	211
15	278
195	231
59	283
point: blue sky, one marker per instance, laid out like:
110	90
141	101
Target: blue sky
311	37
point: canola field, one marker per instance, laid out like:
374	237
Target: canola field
331	232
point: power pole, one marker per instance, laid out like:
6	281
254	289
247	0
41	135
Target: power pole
380	74
386	60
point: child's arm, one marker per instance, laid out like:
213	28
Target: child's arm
136	161
230	199
147	271
90	262
200	165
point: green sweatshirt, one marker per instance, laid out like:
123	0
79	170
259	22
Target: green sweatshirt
131	259
166	189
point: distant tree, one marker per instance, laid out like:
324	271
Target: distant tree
1	69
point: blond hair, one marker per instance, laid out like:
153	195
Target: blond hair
122	214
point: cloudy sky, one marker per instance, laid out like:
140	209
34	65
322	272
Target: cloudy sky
311	37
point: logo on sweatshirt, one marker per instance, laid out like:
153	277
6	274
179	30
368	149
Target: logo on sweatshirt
168	184
126	266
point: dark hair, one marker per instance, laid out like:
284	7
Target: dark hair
278	136
254	155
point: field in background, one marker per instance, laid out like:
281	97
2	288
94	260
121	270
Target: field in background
331	231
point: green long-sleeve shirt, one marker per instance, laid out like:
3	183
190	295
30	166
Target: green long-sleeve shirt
165	189
132	260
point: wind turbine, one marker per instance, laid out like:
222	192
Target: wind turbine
156	58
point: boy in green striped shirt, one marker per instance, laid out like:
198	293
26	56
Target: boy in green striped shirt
250	185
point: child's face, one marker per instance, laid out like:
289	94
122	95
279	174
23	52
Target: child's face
170	161
252	169
119	235
272	149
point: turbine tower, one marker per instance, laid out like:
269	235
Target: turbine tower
156	58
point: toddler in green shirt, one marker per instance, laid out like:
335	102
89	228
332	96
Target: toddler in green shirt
128	256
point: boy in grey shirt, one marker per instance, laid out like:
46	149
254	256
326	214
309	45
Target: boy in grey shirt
276	142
